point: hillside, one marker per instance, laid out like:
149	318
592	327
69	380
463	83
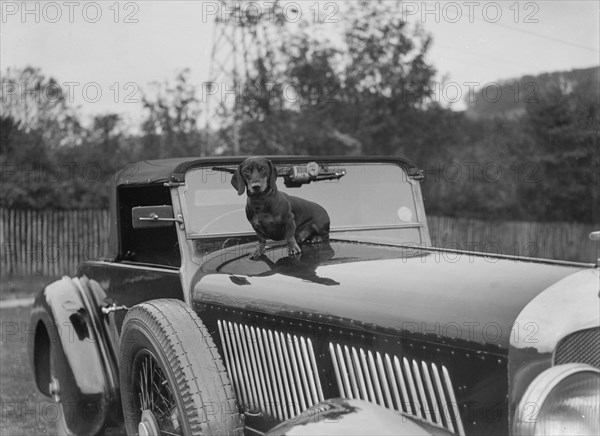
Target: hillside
510	98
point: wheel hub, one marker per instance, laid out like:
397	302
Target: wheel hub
148	425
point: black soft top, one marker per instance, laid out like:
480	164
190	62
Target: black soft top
148	171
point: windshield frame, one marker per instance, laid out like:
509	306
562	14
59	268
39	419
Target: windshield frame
410	175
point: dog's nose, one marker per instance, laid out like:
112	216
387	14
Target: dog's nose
256	187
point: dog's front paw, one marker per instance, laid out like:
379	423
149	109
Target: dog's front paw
258	253
313	240
294	250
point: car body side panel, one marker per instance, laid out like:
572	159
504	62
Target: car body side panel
482	399
126	285
73	359
78	345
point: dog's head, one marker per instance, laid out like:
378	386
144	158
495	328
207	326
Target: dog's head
255	174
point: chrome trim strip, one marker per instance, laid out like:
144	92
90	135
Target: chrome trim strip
336	370
228	362
332	230
431	391
285	397
273	369
264	369
252	358
310	378
217	235
311	353
375	378
344	370
134	265
271	372
253	430
416	405
493	255
294	359
302	367
365	369
352	375
386	390
447	411
421	390
361	380
284	375
240	373
453	403
290	375
376	227
390	369
262	385
254	403
410	386
408	408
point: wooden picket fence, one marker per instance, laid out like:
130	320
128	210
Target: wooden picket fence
50	242
53	242
554	240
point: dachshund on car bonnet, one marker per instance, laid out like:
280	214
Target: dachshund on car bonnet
276	215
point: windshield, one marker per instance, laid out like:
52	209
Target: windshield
369	197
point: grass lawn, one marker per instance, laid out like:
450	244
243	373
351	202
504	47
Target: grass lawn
24	411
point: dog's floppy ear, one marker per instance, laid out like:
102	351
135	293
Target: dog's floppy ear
238	180
272	174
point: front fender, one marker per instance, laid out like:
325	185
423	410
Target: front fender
340	416
568	306
66	355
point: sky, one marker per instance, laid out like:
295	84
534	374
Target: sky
105	52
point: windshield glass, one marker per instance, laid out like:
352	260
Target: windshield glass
368	196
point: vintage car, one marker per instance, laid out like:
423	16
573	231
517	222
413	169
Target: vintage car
179	331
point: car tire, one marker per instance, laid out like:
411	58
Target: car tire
172	378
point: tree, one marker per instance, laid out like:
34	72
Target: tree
38	103
171	123
563	123
48	159
361	96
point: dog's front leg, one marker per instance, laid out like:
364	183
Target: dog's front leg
290	236
260	249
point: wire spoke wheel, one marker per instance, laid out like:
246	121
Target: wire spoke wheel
172	374
157	406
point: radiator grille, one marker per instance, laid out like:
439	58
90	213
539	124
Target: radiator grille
414	387
272	372
579	347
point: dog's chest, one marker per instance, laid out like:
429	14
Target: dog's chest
270	225
267	220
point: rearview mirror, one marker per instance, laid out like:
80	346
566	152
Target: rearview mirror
144	217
